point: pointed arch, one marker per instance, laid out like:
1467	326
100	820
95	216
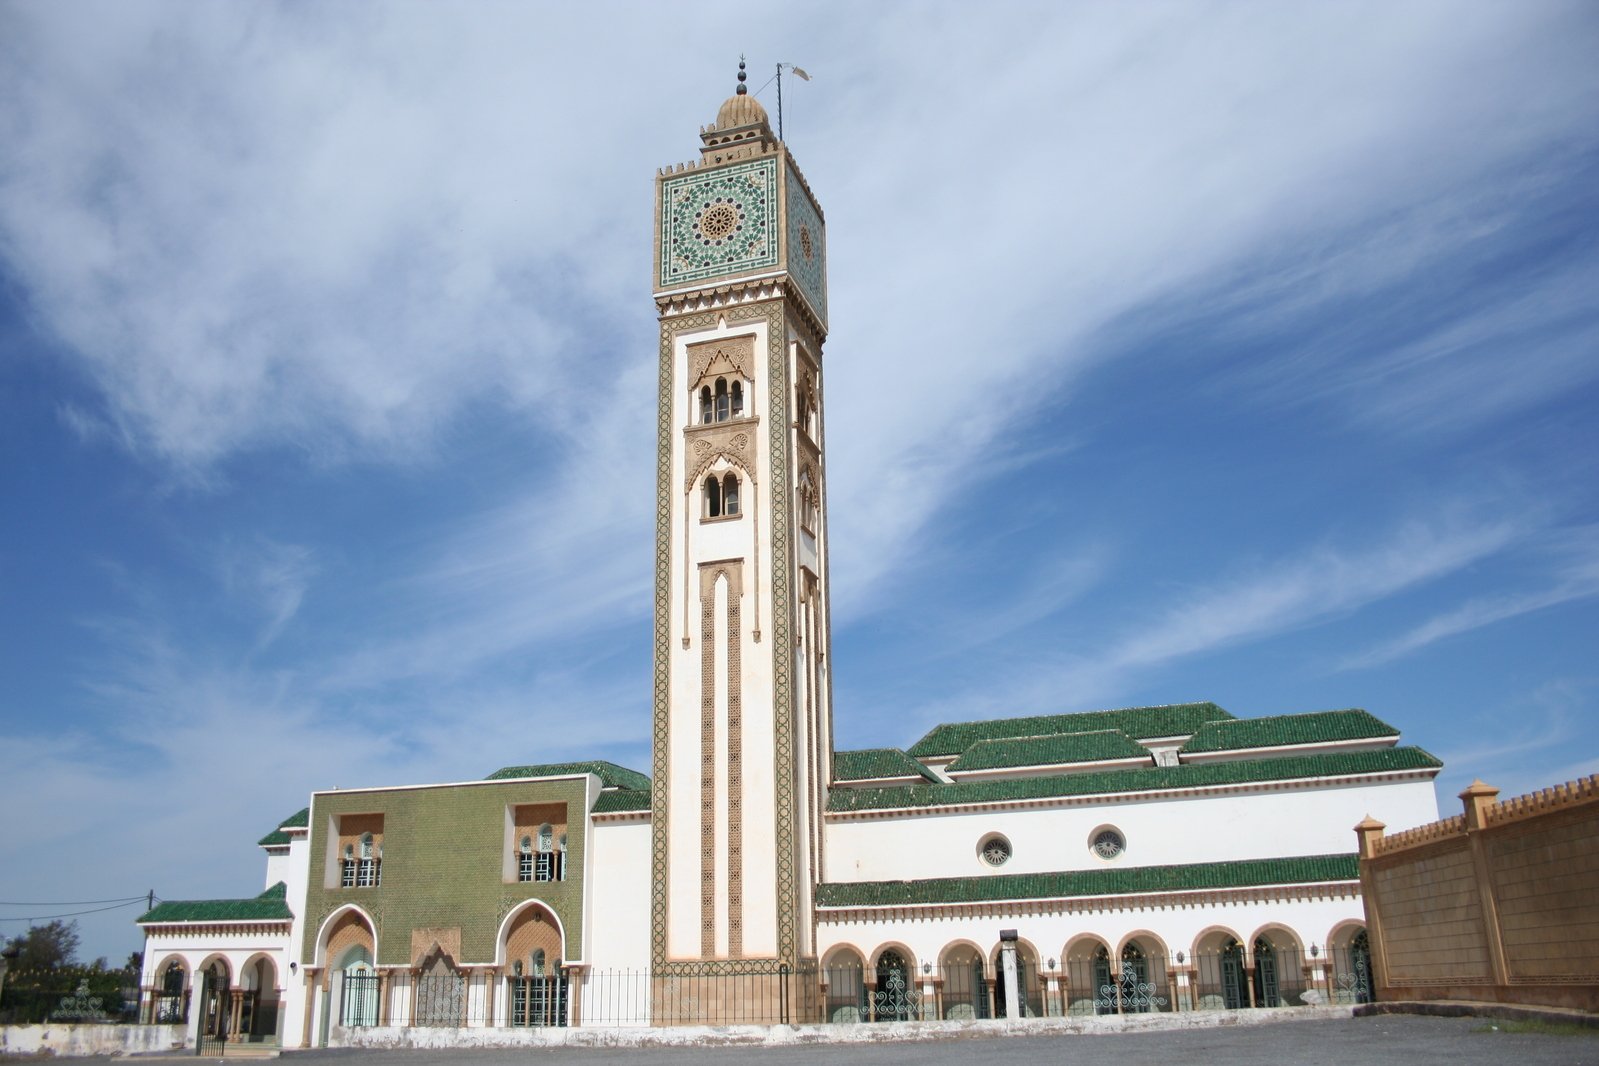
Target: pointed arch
515	916
337	920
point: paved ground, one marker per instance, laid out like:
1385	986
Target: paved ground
1389	1040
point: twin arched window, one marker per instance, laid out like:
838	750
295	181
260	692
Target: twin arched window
365	871
545	864
721	496
722	402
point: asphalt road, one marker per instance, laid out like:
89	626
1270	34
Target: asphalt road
1387	1040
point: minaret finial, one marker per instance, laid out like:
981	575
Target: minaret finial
742	88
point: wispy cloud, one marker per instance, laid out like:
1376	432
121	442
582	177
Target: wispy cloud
1509	744
1260	603
1578	579
271	578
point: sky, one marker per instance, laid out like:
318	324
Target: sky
1244	352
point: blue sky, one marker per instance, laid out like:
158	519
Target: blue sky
1242	352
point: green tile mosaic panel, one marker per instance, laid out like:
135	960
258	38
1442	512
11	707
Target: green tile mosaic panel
807	246
718	222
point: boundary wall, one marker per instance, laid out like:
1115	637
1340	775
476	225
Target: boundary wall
1498	904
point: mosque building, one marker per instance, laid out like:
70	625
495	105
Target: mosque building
1155	858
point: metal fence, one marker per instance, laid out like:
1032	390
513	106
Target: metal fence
101	996
844	994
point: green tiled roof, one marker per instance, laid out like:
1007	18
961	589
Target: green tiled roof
1316	728
1140	723
269	905
622	799
613	775
299	820
1101	882
871	763
1281	768
1060	749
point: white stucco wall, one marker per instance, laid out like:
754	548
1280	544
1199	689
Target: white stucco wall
695	542
1266	823
619	873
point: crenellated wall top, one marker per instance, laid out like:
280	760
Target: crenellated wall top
1556	798
1544	801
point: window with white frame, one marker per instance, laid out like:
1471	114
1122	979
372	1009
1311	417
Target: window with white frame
369	868
524	859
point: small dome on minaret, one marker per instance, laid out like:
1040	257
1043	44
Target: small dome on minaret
740	109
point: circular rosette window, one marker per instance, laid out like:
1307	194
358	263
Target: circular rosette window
994	849
1107	842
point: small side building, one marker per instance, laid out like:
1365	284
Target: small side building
457	905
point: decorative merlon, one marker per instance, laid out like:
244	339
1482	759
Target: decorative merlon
1481	811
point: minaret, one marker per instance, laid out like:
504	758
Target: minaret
742	708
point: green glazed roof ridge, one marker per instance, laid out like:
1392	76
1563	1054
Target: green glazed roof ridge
300	819
1316	727
1055	749
270	905
1170	719
1108	881
867	763
613	774
619	800
1140	779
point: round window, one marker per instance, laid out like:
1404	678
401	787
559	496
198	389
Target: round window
996	851
1109	843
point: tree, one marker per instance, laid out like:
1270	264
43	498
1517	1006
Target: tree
46	947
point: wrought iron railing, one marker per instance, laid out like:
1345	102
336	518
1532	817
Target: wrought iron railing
747	993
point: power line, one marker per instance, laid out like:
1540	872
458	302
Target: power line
68	902
74	914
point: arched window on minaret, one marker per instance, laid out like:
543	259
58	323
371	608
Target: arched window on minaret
730	494
738	399
713	497
808	496
705	405
722	409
